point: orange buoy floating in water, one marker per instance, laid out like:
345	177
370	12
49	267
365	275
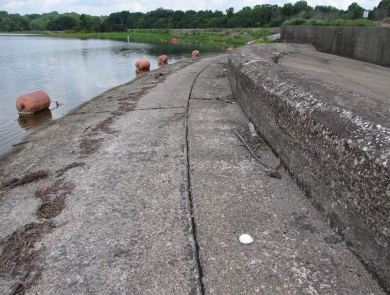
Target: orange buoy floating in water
229	49
33	102
174	39
162	59
195	53
142	64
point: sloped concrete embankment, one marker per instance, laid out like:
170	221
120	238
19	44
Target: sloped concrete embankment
337	152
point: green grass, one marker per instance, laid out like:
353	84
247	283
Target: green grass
26	32
337	22
224	37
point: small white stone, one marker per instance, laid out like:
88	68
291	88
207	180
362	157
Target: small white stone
246	239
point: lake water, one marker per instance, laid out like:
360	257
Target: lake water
70	71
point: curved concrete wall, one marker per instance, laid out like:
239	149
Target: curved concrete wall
369	44
338	157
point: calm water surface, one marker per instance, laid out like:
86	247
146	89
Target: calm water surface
71	71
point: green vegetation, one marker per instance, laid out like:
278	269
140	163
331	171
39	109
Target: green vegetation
337	22
264	15
224	37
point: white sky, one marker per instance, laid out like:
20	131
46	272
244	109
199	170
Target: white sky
105	7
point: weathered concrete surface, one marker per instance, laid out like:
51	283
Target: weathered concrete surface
126	227
165	191
333	138
368	44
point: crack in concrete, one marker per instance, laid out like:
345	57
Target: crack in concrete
161	108
202	98
190	197
213	99
89	113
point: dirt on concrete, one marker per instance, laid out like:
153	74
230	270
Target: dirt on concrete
87	128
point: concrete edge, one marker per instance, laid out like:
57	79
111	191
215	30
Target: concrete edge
340	159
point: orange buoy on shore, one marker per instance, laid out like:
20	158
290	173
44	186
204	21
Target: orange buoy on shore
162	59
195	53
229	49
32	102
142	64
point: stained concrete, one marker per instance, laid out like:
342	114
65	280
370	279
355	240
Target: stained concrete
165	191
330	129
368	44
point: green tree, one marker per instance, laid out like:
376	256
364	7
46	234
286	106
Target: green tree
133	18
326	12
62	23
355	11
380	12
287	10
38	24
83	22
230	12
243	18
301	6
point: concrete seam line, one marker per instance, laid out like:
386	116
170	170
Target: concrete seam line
190	197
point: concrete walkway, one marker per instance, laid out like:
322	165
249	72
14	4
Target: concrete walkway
158	190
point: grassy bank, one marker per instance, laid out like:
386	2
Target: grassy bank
224	37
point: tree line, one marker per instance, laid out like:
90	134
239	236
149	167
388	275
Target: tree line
264	15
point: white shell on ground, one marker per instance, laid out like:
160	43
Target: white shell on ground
246	239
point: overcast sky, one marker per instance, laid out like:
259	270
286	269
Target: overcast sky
105	7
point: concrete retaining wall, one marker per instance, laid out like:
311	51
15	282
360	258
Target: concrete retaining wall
369	44
338	158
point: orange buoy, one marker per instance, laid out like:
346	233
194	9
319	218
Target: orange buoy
33	102
229	49
162	59
142	64
195	53
174	39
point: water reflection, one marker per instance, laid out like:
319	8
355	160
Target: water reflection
140	72
30	122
